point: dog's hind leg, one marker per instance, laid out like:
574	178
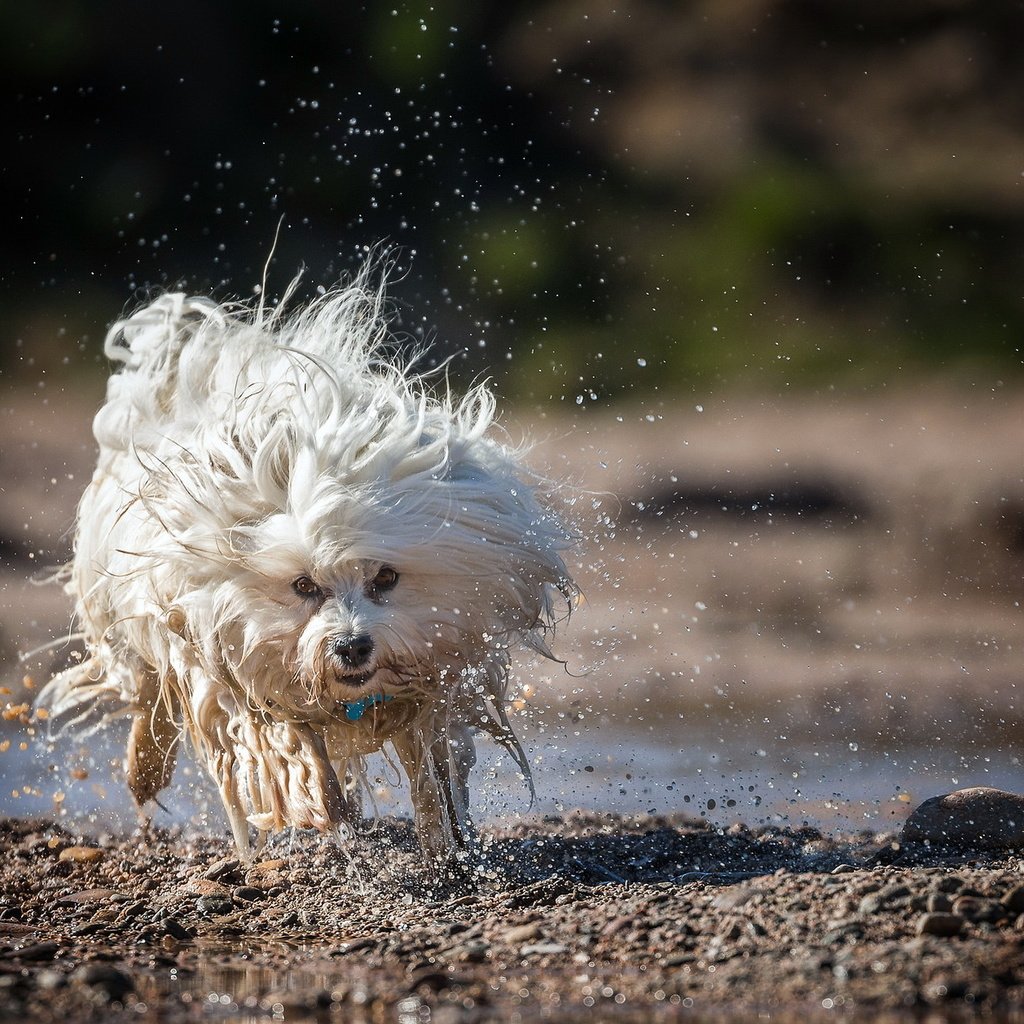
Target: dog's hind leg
152	745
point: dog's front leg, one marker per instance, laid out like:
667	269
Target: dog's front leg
152	745
438	763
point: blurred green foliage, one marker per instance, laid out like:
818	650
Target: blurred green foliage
585	201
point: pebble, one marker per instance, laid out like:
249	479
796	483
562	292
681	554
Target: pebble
843	932
975	817
522	932
134	910
248	894
224	870
113	983
939	903
894	895
618	924
1013	900
81	854
35	951
176	930
470	952
91	928
734	897
207	887
268	881
944	925
268	865
974	908
87	896
213	906
543	949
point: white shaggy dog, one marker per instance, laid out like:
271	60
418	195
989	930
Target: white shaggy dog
293	552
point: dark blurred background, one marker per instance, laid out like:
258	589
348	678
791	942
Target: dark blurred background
620	196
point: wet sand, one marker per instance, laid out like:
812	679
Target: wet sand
644	918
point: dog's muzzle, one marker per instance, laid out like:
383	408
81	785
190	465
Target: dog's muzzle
352	650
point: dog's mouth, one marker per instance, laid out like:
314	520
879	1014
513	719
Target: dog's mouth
355	679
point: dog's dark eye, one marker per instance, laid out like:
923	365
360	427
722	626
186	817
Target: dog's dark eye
305	587
385	579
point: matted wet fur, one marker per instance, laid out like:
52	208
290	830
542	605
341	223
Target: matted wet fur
295	551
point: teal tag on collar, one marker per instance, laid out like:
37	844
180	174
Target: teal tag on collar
355	709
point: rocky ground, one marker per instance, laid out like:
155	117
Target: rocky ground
636	918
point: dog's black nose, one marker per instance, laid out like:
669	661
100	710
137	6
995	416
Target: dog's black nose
353	650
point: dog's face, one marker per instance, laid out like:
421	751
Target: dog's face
381	588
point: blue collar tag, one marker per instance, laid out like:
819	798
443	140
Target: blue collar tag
355	709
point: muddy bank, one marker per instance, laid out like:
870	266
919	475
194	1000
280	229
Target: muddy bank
635	918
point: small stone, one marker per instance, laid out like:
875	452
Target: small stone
870	905
523	932
176	930
843	932
268	865
113	983
86	896
473	951
938	903
81	854
977	909
843	869
214	906
227	869
618	924
35	951
895	895
248	894
133	910
967	818
268	880
543	949
678	959
207	887
943	925
1013	900
93	927
733	897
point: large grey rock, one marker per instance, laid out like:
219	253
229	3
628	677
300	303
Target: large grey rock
969	818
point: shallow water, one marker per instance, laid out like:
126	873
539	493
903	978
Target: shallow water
737	775
243	984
